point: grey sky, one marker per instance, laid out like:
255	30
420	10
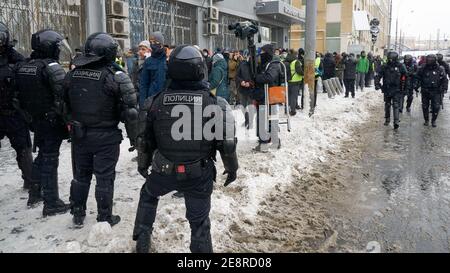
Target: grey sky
422	17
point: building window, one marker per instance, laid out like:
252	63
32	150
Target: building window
26	17
334	30
176	20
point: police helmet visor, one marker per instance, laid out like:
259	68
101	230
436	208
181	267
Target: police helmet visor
66	52
3	39
3	42
440	57
392	56
186	64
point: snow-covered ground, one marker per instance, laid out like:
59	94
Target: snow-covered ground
24	230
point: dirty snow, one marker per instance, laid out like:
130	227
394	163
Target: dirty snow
311	141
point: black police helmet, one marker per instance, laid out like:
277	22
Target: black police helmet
431	60
4	36
408	59
186	64
392	56
440	57
101	46
47	43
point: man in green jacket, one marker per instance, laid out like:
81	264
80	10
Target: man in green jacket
362	69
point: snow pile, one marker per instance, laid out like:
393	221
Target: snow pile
312	140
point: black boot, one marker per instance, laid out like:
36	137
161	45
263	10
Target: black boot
144	242
426	116
49	181
433	121
396	126
104	195
79	214
35	192
110	219
78	198
387	113
55	208
201	241
25	162
34	195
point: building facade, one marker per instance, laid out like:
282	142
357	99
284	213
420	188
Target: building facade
201	22
193	22
338	24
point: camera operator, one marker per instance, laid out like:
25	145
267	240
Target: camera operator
271	74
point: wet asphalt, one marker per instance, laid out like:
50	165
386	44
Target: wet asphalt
399	192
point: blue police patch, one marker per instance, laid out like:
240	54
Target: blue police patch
186	99
87	74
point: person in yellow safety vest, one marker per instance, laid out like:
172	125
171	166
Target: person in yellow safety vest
295	77
120	62
319	72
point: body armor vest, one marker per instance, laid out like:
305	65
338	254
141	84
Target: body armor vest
6	88
90	103
432	79
183	151
391	79
35	94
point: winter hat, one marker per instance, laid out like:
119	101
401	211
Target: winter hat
217	57
157	36
268	49
145	44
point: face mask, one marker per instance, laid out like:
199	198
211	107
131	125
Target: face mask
265	58
156	48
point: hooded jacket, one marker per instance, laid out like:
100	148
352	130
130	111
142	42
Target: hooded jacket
329	67
218	79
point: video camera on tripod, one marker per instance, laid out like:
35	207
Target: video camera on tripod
248	30
245	30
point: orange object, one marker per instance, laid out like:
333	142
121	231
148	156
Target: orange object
277	95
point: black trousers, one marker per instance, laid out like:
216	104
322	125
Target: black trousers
96	154
16	130
409	96
294	92
392	101
433	99
350	87
302	95
48	138
197	193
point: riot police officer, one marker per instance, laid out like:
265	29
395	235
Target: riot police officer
185	164
39	82
433	81
12	124
443	63
393	74
99	95
411	68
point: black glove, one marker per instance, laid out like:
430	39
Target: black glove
143	172
232	176
377	87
